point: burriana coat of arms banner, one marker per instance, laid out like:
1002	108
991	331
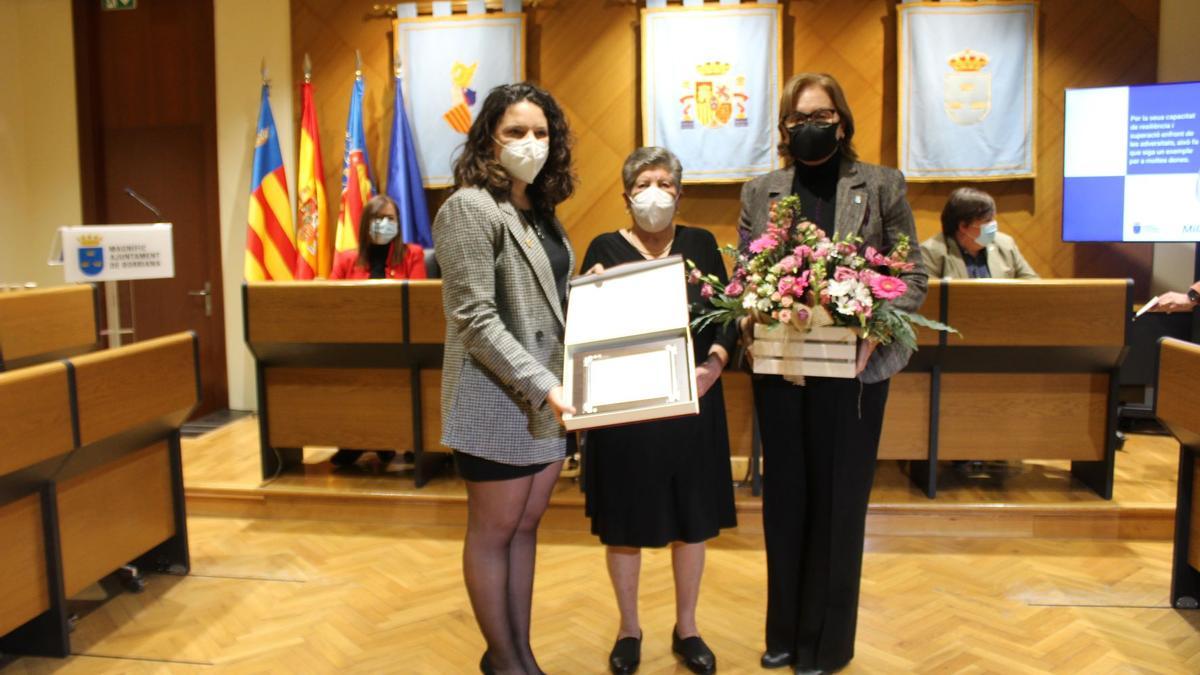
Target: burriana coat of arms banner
710	88
450	64
968	90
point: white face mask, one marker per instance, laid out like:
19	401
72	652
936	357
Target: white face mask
383	230
653	208
523	159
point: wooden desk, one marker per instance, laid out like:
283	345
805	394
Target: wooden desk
1177	406
1033	376
45	324
352	364
90	479
36	433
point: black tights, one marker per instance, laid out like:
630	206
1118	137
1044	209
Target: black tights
498	561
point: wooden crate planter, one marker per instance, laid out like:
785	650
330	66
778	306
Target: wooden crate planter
820	352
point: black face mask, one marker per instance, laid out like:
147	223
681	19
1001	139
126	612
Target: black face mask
812	142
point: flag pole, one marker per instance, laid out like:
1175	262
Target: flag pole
307	69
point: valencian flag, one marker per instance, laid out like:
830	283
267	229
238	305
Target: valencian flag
404	184
314	236
270	239
356	173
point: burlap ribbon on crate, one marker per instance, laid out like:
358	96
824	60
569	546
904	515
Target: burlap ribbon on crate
817	317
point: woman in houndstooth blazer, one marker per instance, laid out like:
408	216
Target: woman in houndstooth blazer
505	260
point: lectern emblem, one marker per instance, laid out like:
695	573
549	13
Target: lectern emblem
91	255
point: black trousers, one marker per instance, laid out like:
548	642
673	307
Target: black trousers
820	443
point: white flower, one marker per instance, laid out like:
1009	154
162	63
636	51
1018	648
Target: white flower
842	289
844	307
749	300
863	295
764	305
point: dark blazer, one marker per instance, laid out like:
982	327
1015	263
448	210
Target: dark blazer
504	332
870	203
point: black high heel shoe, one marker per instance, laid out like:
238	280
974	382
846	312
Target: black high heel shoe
485	666
695	654
626	655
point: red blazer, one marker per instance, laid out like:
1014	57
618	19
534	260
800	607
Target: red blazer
411	266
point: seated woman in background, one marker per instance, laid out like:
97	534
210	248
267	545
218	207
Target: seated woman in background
971	245
665	482
380	255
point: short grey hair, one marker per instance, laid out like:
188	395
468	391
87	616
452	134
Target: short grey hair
647	158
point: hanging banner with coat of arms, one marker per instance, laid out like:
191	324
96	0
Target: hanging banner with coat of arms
710	88
450	64
968	90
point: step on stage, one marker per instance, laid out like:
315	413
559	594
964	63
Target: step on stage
223	477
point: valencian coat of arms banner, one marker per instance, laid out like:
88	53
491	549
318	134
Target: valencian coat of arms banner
710	88
450	64
968	90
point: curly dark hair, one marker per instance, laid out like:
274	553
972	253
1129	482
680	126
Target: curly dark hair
477	166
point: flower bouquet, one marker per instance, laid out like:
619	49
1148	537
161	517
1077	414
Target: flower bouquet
810	297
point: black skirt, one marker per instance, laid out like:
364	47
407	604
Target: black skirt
654	483
479	469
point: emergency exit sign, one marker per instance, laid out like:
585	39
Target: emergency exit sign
115	5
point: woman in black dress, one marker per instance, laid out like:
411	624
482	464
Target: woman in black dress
667	481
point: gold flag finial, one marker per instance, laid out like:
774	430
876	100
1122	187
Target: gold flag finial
307	69
263	69
357	64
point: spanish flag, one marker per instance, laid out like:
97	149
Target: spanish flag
270	239
313	237
356	173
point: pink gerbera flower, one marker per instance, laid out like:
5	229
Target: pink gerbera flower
887	288
763	243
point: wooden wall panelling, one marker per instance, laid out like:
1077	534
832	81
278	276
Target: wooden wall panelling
114	513
119	389
1023	416
35	416
586	53
23	581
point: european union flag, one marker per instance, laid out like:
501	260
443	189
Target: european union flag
404	183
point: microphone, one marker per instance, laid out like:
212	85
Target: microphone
145	202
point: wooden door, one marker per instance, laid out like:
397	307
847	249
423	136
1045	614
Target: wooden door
147	111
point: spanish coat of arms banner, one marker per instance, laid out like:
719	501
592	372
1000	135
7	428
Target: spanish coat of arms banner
968	88
450	64
710	88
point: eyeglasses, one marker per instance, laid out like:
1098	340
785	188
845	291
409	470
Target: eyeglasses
818	116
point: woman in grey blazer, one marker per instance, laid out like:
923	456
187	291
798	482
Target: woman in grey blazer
505	260
820	440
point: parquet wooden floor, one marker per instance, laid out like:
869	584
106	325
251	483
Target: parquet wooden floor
286	596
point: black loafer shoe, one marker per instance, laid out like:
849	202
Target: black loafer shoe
626	655
780	659
695	654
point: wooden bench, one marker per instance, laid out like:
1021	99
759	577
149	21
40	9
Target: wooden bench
46	324
1177	406
352	364
90	479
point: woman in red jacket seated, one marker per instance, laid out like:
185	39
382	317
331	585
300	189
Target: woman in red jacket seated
380	254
